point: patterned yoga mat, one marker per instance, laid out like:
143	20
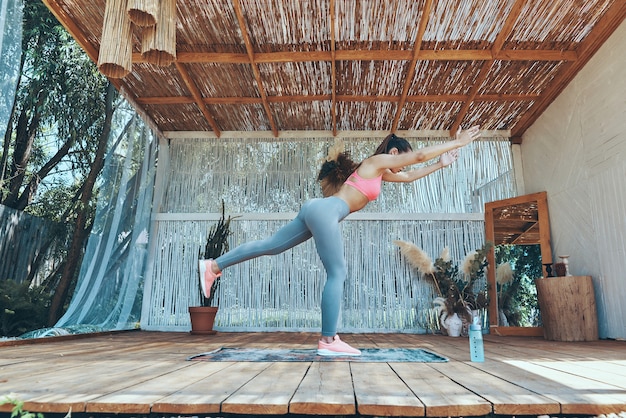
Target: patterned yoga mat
368	355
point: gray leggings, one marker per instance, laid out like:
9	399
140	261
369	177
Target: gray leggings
318	218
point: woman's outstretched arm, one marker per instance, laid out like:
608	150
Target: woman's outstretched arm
445	160
399	161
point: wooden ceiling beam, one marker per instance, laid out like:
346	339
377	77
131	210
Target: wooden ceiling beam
373	55
486	67
417	46
197	97
571	62
438	98
587	48
255	67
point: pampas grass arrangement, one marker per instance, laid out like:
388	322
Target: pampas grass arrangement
455	289
416	257
504	273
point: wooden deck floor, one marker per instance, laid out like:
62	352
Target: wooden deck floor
142	372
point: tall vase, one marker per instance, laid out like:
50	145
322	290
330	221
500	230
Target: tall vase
453	325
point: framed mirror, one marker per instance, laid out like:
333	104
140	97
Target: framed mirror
519	227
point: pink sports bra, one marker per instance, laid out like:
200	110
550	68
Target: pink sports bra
369	187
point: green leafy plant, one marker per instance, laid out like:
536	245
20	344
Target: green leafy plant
18	409
518	266
216	244
22	308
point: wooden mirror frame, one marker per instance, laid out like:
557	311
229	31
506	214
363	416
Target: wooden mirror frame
543	239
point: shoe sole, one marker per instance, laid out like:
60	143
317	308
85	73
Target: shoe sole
202	270
325	352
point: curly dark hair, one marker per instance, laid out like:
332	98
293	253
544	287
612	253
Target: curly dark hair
335	172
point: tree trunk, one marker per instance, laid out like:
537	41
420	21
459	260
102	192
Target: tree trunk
81	232
9	132
25	136
31	188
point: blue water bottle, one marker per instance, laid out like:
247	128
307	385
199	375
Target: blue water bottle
477	352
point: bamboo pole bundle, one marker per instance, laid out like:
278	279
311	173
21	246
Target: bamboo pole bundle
143	12
158	43
115	56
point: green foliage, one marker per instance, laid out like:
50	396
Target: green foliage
57	119
56	137
18	408
518	298
22	308
216	245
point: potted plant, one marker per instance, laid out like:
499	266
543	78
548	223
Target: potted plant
203	317
457	299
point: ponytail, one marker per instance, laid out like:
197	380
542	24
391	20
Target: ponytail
393	141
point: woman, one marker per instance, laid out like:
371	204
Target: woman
319	218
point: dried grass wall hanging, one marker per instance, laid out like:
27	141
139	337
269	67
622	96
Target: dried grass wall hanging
158	43
115	58
143	12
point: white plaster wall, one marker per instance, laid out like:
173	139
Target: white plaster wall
576	152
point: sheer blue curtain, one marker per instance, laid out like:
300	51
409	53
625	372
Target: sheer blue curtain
109	291
11	52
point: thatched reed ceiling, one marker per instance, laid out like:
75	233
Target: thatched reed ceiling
354	65
516	224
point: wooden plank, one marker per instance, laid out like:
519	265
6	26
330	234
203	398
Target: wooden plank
570	361
517	331
73	391
378	55
14	372
269	392
577	394
326	390
379	391
72	373
440	395
613	373
207	395
67	373
506	397
55	383
603	371
138	398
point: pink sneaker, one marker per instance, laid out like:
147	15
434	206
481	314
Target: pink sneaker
336	348
207	277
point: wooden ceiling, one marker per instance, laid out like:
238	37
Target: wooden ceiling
517	224
357	65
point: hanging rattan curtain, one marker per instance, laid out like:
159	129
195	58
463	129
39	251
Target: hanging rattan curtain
115	59
143	12
158	42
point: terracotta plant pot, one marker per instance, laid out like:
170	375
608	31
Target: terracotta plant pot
202	319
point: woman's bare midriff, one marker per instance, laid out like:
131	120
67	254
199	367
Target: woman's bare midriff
354	198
